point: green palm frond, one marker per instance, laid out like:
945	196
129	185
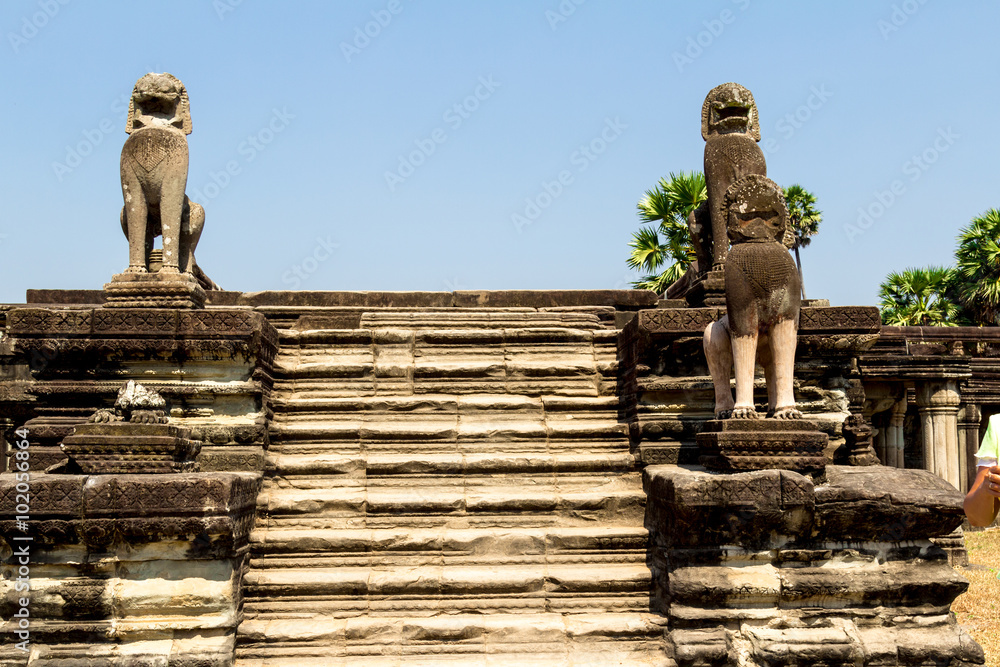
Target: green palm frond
659	282
647	252
669	244
978	264
685	191
673	197
654	206
919	297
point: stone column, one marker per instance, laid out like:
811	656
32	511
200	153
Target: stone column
969	418
895	445
882	446
938	403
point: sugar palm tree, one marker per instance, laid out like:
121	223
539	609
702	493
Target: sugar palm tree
978	260
920	297
665	251
804	219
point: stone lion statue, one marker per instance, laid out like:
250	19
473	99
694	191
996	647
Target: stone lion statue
154	169
731	129
762	304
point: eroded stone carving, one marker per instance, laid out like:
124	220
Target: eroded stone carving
133	437
762	304
135	404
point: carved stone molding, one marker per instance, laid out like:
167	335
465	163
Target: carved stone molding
132	448
59	338
153	290
812	320
737	445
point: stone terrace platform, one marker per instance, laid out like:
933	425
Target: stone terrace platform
457	478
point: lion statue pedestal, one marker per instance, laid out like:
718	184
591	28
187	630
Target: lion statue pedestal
154	290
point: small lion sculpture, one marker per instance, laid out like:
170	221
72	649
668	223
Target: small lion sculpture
135	404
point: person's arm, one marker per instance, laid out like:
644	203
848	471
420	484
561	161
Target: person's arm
983	499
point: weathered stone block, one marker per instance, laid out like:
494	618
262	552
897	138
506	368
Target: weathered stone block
777	570
690	508
731	445
886	504
132	448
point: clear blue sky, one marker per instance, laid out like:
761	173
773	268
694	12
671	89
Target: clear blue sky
299	116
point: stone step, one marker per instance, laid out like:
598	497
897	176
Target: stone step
449	488
459	628
594	386
424	484
409	561
315	463
549	639
493	319
561	655
268	546
446	580
346	362
427	374
285	461
493	405
428	604
417	605
349	520
415	449
465	361
420	336
448	429
603	498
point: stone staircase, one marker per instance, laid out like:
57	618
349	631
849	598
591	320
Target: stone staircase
449	487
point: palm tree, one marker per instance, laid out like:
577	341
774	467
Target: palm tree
804	219
919	297
978	260
669	203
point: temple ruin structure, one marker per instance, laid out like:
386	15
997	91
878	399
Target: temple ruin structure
197	477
